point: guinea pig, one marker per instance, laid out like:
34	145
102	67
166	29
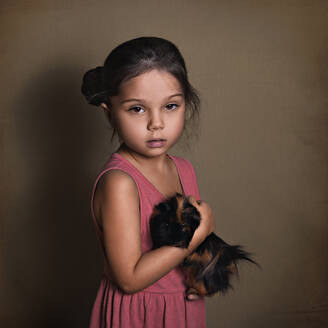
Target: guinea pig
209	267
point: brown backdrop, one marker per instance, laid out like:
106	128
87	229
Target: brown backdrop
261	69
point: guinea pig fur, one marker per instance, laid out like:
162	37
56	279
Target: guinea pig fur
209	268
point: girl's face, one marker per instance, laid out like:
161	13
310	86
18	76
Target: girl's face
149	106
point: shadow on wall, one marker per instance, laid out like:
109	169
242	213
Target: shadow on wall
53	260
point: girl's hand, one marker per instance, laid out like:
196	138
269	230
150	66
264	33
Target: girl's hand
207	223
207	226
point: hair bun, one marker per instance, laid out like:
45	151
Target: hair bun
93	86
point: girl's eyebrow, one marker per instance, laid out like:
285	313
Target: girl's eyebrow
142	100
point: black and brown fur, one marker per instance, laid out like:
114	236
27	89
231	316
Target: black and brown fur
209	268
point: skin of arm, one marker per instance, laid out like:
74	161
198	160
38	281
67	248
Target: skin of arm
119	210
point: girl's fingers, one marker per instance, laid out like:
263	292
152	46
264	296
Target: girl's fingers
192	200
192	297
192	294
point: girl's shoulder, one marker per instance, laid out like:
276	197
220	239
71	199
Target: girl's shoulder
115	169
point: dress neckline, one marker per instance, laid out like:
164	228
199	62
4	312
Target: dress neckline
148	181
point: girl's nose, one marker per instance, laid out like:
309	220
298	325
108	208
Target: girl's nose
155	121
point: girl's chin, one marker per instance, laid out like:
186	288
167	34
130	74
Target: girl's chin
148	151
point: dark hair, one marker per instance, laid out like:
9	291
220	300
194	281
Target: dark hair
133	58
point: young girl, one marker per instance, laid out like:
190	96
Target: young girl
144	90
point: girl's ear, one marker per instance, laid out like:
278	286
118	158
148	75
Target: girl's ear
104	107
108	112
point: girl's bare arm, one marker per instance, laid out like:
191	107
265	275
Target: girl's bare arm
119	208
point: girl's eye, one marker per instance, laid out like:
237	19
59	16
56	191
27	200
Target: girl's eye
136	109
172	107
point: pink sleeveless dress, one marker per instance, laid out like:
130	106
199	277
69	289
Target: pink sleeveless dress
164	303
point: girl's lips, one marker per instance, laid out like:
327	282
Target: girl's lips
156	143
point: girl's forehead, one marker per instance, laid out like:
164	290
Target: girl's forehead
154	81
